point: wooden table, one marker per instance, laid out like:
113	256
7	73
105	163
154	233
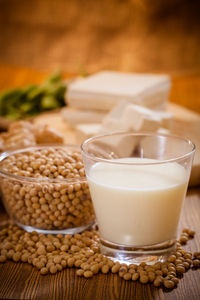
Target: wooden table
22	281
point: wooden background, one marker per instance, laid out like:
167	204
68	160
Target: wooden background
77	35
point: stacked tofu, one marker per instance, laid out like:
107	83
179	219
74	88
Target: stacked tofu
113	101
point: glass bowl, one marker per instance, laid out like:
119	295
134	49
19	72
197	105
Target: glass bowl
43	204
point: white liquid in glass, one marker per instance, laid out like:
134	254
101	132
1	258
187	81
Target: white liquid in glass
137	205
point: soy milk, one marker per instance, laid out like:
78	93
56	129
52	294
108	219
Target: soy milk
137	204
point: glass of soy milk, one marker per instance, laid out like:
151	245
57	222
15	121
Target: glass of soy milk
138	183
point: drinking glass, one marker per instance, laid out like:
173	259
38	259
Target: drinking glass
138	182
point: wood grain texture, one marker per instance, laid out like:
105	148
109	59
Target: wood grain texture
22	281
127	35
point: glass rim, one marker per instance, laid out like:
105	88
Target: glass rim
8	153
152	134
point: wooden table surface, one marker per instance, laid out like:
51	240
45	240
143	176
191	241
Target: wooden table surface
22	281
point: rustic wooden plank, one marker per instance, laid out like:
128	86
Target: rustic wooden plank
128	35
22	281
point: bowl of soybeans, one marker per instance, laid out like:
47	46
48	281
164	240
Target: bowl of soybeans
44	189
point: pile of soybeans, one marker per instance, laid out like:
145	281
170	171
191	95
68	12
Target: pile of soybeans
53	253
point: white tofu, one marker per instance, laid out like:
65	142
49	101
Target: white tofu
137	118
104	90
118	145
126	117
86	131
77	116
144	119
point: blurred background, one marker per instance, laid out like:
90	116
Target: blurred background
77	36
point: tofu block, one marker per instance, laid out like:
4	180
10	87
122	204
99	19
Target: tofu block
116	147
86	131
105	90
126	117
137	118
78	116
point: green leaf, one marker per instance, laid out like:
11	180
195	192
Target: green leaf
33	99
49	102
